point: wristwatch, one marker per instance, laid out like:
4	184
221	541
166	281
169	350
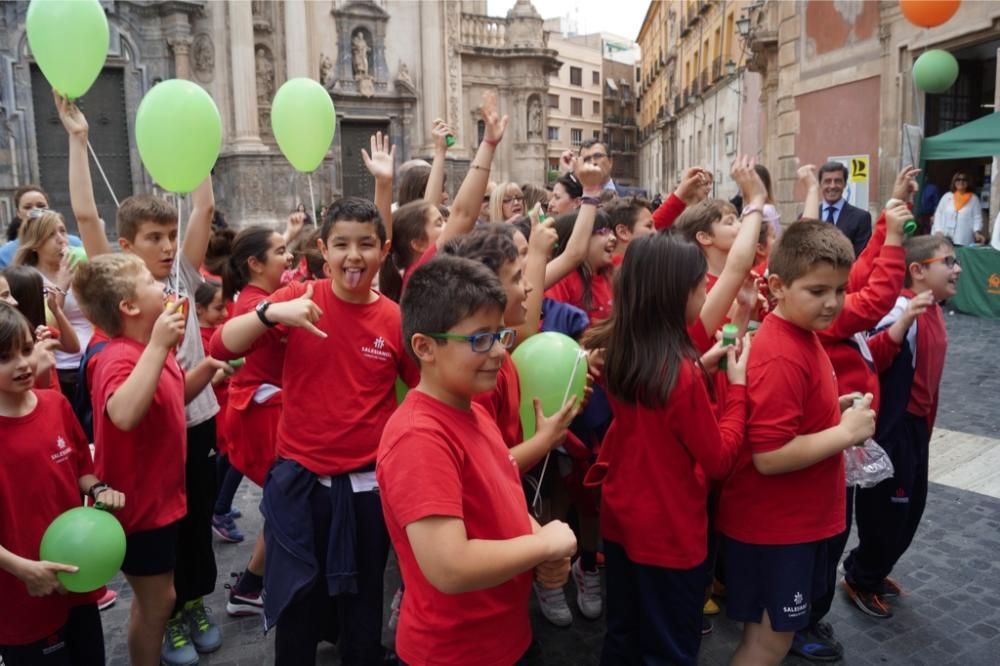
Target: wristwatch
261	311
96	488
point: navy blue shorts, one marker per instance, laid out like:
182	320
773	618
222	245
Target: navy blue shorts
151	552
783	580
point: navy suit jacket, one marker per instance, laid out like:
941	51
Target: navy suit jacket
856	224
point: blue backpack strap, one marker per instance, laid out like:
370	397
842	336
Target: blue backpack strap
82	406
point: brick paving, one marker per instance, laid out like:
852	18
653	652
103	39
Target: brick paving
951	574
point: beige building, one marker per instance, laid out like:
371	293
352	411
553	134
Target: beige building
389	65
574	94
837	82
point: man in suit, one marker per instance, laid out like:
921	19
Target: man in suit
593	151
853	222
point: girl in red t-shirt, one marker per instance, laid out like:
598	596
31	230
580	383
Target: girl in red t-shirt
663	443
253	272
416	227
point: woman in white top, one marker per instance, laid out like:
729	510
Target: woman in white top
959	215
44	245
995	241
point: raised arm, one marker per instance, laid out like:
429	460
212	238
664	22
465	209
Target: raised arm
575	251
239	333
381	164
199	228
741	255
469	200
543	238
694	187
807	177
81	189
435	182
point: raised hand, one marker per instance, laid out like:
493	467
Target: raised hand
691	190
590	176
543	234
905	184
72	118
439	134
807	176
895	218
751	186
567	161
381	162
299	313
496	124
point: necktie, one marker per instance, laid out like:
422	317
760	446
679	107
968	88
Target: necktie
829	215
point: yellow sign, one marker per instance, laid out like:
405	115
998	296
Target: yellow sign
859	169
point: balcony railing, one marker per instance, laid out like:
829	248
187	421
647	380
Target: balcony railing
484	31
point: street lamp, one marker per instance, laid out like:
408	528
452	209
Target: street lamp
730	68
743	26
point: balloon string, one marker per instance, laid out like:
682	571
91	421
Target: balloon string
312	197
101	170
179	251
569	387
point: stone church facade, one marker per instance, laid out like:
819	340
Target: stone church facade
389	65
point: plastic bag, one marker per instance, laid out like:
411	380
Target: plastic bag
867	465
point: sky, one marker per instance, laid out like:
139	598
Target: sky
623	18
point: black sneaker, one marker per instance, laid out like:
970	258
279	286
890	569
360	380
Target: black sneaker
817	644
869	603
889	589
706	625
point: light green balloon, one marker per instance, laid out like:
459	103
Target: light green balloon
179	133
935	71
69	41
303	121
88	538
548	363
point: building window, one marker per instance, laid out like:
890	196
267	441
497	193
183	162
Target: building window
575	106
597	78
576	76
597	108
576	136
730	143
553	101
597	135
553	134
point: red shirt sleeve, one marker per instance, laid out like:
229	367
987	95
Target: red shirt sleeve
883	349
714	445
700	337
775	416
291	291
668	212
863	265
863	309
424	480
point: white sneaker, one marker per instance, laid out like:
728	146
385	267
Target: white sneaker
588	591
554	606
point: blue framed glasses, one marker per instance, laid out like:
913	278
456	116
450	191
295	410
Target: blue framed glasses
481	342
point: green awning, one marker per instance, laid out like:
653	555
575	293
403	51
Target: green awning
979	138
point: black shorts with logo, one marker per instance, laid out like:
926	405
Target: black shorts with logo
783	580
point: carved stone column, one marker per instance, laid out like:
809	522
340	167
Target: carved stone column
181	47
247	131
297	40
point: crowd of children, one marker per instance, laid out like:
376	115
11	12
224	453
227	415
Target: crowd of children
691	465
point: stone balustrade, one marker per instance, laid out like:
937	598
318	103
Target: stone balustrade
484	31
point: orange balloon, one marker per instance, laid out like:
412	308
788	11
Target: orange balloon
928	13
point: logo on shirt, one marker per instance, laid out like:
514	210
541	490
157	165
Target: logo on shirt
797	608
376	350
62	451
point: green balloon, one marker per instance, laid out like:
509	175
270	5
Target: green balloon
179	133
548	363
89	539
935	71
77	256
303	121
69	40
401	390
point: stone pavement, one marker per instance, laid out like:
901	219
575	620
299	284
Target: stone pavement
950	614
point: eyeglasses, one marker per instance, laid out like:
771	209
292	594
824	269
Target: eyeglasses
481	342
593	157
508	200
948	260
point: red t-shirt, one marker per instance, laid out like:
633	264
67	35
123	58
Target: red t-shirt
44	455
340	390
656	462
424	258
263	363
668	212
146	463
618	259
503	403
932	341
792	391
435	460
570	290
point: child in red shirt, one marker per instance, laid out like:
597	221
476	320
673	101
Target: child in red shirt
662	444
786	497
343	352
138	392
47	459
630	219
889	514
451	491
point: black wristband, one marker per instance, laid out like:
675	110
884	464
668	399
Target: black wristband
261	311
97	487
593	201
